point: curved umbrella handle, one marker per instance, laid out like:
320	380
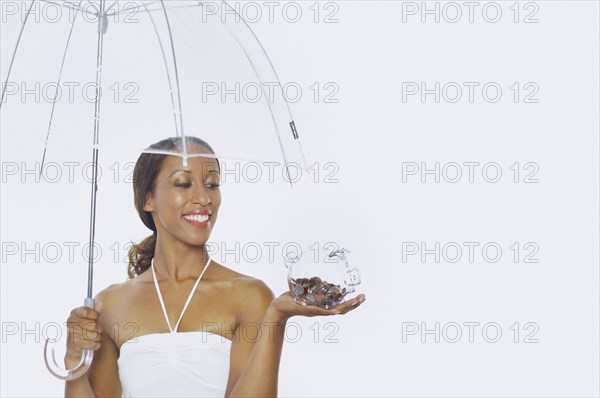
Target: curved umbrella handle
77	371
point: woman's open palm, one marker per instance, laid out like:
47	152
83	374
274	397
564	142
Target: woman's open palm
287	307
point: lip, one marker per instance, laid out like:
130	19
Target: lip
202	212
197	224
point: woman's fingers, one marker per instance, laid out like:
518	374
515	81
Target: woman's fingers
351	304
85	313
84	330
285	304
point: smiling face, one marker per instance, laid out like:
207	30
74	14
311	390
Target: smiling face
186	200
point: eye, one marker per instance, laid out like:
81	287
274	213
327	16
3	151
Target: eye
183	185
214	186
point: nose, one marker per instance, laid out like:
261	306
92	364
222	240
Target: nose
200	195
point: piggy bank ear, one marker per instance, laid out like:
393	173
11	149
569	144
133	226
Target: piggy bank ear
352	277
290	259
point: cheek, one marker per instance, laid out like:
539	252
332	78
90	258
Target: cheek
170	199
215	198
216	203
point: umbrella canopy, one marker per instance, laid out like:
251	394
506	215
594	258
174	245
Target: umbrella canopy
111	78
157	69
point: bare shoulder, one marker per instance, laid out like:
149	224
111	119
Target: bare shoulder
246	290
112	293
251	297
254	291
113	298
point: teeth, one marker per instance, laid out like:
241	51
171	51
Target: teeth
196	217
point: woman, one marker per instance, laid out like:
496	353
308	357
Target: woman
228	327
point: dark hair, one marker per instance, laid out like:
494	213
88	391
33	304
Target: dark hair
145	172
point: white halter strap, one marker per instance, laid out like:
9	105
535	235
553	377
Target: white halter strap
162	303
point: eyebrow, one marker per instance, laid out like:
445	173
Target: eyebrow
213	171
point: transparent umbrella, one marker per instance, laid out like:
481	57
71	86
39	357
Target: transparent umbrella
95	77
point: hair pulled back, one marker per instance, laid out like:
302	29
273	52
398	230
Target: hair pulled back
145	172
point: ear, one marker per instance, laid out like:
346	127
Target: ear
149	205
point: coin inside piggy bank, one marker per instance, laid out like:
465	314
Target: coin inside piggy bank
321	277
315	291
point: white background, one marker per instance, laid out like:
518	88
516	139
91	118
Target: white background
370	133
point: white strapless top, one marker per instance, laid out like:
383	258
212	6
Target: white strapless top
173	364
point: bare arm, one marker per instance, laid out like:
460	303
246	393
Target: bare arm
102	378
101	374
261	373
256	357
79	387
256	349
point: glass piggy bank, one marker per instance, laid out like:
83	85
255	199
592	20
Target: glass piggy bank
321	277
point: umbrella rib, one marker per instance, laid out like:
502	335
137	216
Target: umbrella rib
118	12
10	66
111	6
56	93
162	50
262	49
98	10
184	145
262	85
71	5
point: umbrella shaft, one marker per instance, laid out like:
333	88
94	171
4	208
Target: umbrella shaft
101	32
92	222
